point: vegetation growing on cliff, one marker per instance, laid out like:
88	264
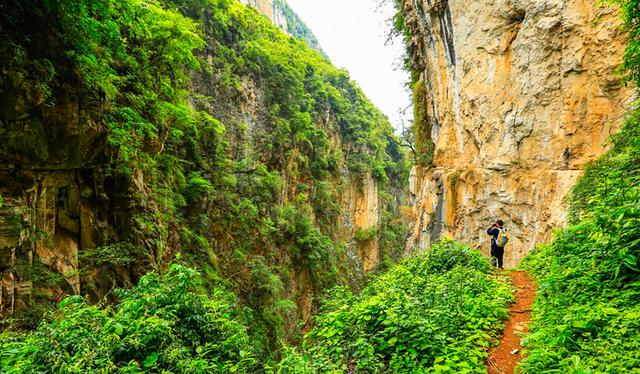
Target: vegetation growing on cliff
586	317
422	125
421	131
251	193
434	312
296	27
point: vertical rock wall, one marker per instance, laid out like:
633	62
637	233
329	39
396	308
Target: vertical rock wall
61	198
361	207
520	95
50	182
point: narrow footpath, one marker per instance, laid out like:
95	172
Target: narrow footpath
504	358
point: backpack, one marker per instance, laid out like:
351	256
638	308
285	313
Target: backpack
503	238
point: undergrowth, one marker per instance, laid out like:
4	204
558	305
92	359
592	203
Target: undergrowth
164	324
435	312
586	316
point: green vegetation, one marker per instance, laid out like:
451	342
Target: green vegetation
116	254
296	27
631	18
163	324
586	317
213	135
362	235
422	125
434	312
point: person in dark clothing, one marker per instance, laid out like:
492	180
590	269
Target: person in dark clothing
497	252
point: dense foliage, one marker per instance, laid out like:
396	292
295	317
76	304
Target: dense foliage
164	324
224	139
434	312
586	317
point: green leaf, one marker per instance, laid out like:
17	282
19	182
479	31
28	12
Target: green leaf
118	329
580	324
632	316
610	311
150	360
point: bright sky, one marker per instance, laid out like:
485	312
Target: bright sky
353	34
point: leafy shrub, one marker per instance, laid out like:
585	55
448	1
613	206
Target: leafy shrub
197	188
162	324
308	246
116	254
364	234
434	312
586	316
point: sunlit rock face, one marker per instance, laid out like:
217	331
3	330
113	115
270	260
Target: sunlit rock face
520	95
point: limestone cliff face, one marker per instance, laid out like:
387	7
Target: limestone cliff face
49	217
518	96
58	206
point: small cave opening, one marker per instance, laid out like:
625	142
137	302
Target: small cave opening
516	16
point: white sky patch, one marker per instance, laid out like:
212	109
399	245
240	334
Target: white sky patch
353	34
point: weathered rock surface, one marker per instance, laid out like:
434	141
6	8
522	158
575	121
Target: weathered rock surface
521	94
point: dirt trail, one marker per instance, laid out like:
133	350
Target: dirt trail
501	359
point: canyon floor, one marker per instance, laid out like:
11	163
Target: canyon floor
505	356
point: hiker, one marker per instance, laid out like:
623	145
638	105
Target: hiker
499	239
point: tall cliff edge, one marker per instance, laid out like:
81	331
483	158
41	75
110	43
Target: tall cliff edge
512	99
134	135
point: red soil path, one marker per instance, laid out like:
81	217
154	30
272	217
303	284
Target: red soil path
501	359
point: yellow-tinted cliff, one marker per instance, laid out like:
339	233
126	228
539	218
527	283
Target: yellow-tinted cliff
518	97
